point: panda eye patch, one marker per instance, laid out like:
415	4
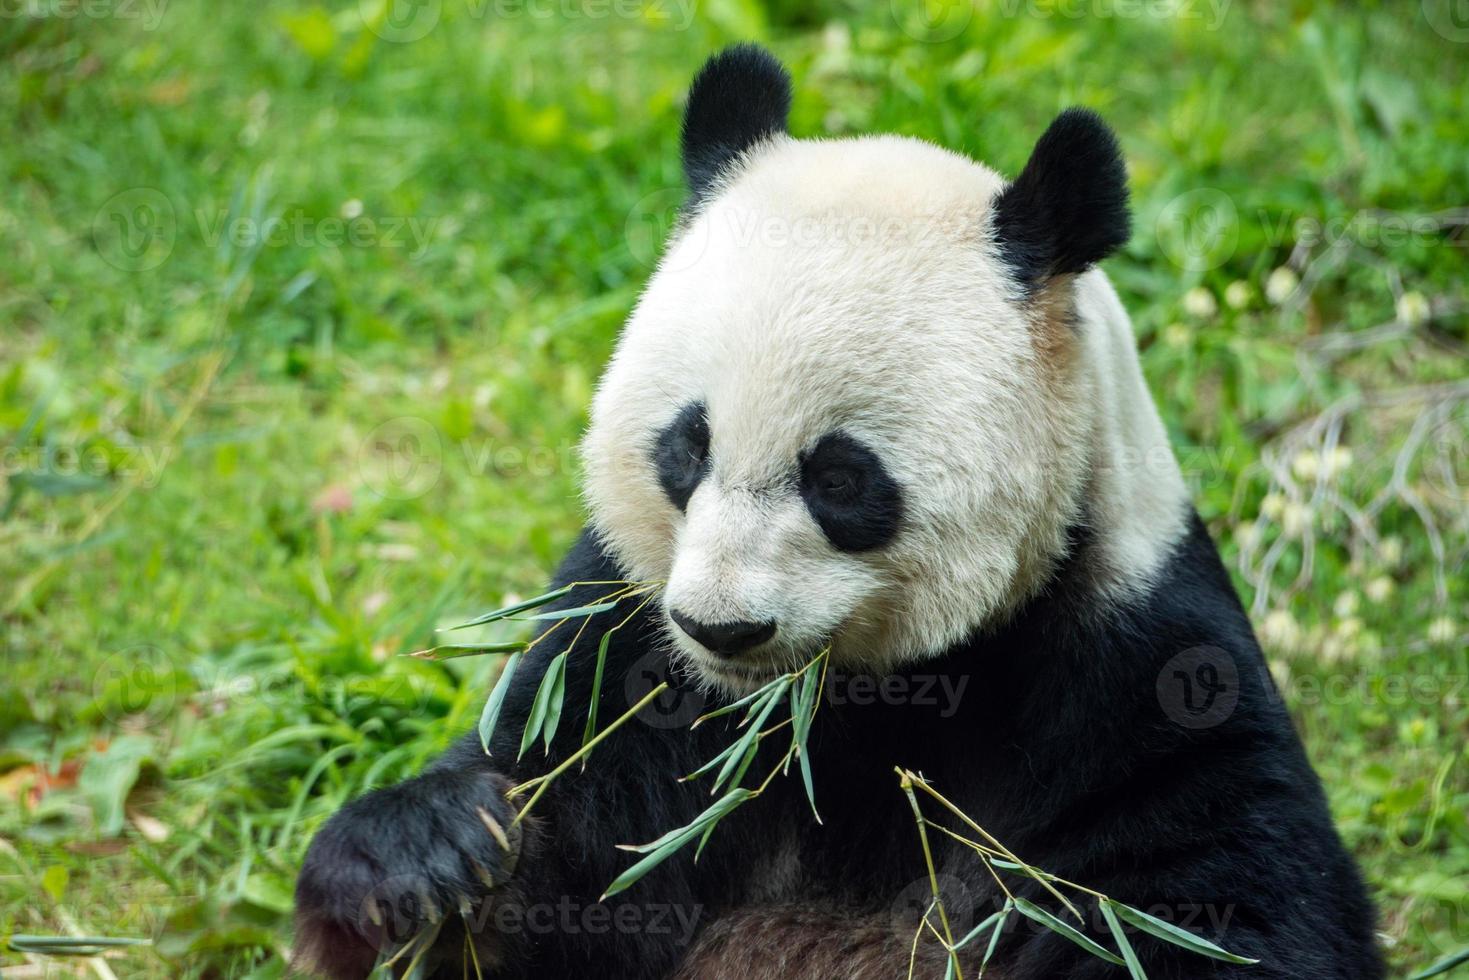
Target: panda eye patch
681	454
850	495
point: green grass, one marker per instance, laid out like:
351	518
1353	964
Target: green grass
208	560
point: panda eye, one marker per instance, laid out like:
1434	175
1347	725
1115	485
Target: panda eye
849	493
681	454
839	483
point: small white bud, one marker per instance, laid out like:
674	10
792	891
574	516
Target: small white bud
1200	303
1238	294
1281	284
1379	589
1413	309
1306	465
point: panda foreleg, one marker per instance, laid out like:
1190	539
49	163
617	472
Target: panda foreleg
791	942
405	862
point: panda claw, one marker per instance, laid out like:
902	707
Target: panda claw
493	826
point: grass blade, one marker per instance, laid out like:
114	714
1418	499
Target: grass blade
1170	933
1443	966
71	945
1039	915
1129	955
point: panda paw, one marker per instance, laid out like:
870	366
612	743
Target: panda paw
399	862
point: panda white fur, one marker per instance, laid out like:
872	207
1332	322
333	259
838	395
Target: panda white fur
878	398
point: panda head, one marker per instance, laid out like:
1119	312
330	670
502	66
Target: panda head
847	409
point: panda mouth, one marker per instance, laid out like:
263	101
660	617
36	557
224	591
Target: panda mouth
739	674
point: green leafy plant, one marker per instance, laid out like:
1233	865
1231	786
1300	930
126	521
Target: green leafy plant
800	691
1000	862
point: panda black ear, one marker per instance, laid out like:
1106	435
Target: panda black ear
1068	207
741	96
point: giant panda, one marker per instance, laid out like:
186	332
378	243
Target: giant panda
875	399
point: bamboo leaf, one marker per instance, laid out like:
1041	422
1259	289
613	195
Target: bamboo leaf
741	748
496	701
802	713
773	692
750	752
805	763
993	920
555	704
989	950
541	705
1129	955
731	707
653	845
591	728
576	612
648	863
723	754
749	742
1170	933
519	607
664	847
449	651
719	811
803	708
1037	914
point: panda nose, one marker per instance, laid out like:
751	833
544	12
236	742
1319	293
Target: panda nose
725	639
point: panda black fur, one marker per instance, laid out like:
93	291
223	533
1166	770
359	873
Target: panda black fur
1055	580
